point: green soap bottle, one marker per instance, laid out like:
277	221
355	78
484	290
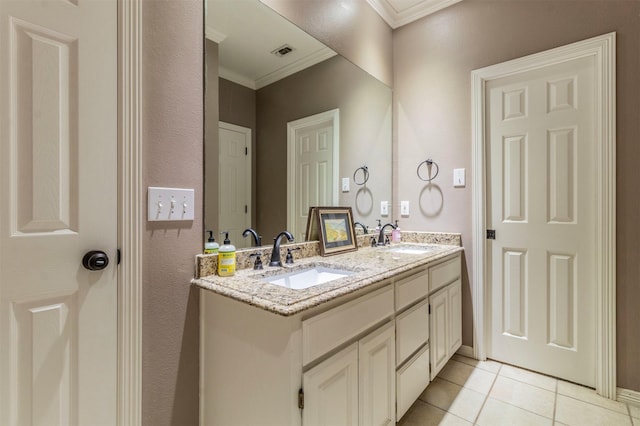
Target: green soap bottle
211	247
226	257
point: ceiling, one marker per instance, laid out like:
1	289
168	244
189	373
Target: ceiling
247	32
400	12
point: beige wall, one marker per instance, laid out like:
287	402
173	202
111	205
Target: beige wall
238	106
365	137
433	59
350	27
172	156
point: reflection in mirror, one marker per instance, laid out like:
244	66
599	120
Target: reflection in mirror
288	122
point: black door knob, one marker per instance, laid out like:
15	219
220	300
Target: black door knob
95	260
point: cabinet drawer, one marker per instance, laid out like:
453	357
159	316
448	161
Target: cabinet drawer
444	273
412	330
411	380
324	332
411	288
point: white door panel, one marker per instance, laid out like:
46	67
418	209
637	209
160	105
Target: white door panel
541	204
313	148
234	183
58	150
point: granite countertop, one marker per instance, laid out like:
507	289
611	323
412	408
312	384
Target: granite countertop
369	264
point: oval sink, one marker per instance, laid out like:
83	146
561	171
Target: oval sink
309	277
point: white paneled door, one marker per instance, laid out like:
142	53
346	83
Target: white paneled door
541	203
58	153
234	183
313	148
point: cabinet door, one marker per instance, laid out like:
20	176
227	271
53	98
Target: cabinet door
439	333
455	317
377	358
331	390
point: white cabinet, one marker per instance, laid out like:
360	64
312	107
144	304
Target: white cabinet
455	316
356	385
363	361
445	325
331	390
377	366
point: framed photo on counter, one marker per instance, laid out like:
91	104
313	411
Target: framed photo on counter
336	232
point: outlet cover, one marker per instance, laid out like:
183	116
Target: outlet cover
345	184
404	208
458	178
384	208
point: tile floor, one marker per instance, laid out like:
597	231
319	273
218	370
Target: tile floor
470	392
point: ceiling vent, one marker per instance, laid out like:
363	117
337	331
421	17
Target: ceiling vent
283	50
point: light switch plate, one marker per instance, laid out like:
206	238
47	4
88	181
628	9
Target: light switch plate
458	178
168	204
384	208
345	184
404	208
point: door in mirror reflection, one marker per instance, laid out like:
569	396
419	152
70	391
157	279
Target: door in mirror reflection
235	181
313	147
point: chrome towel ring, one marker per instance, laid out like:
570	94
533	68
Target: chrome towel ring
429	162
365	175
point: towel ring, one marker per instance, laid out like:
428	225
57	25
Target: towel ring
429	162
365	175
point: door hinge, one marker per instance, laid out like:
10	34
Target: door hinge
491	234
245	209
246	150
429	308
301	399
118	256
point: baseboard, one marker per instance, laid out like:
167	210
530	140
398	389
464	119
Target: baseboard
465	351
629	396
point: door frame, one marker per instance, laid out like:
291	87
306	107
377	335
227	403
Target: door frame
292	127
131	198
602	49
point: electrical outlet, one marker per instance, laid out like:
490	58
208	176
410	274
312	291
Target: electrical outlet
404	208
166	204
458	178
384	208
345	184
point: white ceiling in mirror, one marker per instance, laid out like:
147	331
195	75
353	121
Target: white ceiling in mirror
248	32
401	12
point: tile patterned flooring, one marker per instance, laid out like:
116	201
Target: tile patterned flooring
469	392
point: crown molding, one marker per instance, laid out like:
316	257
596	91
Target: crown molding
397	18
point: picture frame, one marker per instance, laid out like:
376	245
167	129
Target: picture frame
311	233
336	231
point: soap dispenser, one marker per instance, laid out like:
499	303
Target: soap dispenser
395	234
211	247
226	257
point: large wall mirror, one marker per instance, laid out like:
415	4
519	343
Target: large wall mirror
288	123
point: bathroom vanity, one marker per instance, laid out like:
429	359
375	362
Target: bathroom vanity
358	349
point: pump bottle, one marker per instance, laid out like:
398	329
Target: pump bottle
211	247
226	257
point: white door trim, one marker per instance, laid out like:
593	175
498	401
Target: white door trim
602	49
292	127
130	213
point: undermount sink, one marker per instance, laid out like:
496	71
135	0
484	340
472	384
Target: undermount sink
409	249
308	277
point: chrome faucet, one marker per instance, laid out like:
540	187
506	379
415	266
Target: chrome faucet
256	238
381	236
275	253
364	227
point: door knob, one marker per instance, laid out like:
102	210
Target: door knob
95	260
